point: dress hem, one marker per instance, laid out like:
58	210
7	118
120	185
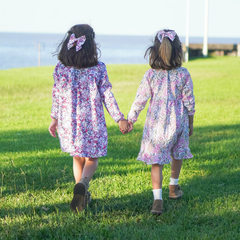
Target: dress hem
160	163
83	155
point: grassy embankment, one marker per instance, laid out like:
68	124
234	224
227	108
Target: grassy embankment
37	179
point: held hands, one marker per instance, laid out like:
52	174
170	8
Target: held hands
53	127
125	126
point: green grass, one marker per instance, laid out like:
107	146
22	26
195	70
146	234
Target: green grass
36	178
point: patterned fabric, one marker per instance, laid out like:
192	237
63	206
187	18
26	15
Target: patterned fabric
77	104
166	130
80	41
170	34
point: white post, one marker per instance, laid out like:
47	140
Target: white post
205	39
187	34
39	54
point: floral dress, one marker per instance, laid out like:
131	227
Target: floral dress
77	104
166	130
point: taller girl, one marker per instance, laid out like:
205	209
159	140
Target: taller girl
169	121
81	85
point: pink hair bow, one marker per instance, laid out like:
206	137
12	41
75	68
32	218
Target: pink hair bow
80	41
170	34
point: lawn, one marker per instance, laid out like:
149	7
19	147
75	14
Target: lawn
36	178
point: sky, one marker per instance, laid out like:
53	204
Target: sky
122	17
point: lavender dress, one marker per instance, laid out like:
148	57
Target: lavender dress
166	130
77	104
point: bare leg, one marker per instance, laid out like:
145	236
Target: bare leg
175	168
83	168
90	168
78	165
156	175
174	188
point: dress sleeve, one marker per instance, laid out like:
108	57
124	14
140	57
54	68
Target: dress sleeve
187	94
110	103
55	94
142	96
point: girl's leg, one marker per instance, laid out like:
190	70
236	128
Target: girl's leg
89	168
156	175
176	168
78	165
84	169
174	189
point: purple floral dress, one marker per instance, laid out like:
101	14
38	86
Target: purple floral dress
166	130
77	104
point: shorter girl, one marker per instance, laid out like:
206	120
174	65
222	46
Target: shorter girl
80	87
169	121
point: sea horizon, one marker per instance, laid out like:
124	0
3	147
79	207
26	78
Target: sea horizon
21	49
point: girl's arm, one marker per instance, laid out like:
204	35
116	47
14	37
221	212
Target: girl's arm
53	127
187	94
142	96
109	100
55	104
189	100
55	95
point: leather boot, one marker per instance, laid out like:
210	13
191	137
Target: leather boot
157	207
175	192
80	195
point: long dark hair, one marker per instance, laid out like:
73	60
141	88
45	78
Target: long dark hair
87	56
166	55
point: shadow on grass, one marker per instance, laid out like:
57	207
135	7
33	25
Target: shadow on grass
215	153
197	191
32	159
104	218
34	140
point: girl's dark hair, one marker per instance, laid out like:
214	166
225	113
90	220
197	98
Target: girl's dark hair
87	56
166	55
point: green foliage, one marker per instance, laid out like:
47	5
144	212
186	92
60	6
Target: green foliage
36	178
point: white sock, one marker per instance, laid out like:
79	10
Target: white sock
173	181
157	194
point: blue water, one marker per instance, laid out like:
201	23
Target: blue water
19	50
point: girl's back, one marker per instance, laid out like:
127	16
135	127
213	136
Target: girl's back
167	84
79	109
169	121
170	88
79	86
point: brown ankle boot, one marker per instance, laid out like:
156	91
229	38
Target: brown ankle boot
157	207
79	195
175	192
